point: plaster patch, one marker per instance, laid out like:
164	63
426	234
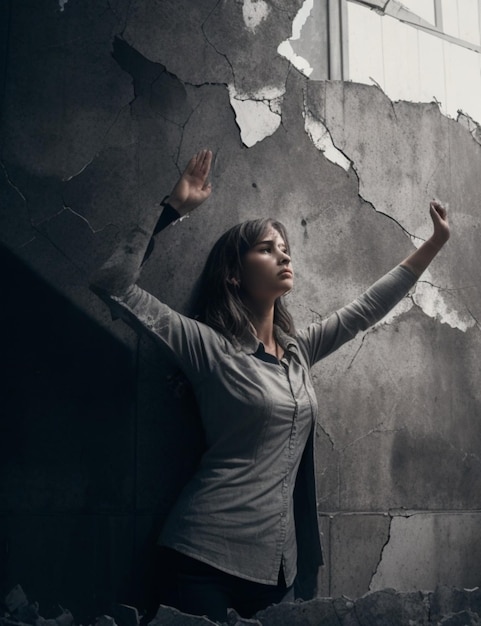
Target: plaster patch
285	49
322	139
258	115
254	13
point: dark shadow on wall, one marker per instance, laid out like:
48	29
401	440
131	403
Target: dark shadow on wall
83	488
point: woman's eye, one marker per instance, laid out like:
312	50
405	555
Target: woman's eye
265	250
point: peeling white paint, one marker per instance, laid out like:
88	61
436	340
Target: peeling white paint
258	115
301	18
438	303
254	13
285	49
321	138
435	303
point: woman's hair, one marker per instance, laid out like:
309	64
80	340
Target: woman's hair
220	303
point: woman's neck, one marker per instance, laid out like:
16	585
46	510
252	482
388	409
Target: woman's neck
263	322
264	330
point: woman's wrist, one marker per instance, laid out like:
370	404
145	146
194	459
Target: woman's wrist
436	242
169	214
176	204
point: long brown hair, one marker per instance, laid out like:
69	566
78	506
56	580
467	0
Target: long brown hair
220	303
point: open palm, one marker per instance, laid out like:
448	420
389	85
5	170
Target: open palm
193	187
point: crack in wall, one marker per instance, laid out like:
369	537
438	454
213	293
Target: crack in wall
210	42
377	429
321	137
358	350
474	317
36	226
381	553
471	125
12	184
430	303
393	556
127	15
320	427
84	219
462	453
106	134
24	245
24	200
322	140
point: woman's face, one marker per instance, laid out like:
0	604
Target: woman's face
267	271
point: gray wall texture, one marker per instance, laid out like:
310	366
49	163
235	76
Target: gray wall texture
104	101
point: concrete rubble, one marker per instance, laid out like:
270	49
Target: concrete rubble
388	607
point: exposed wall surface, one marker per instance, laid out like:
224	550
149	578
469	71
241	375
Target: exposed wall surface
103	103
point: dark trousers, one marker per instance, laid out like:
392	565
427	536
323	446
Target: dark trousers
205	590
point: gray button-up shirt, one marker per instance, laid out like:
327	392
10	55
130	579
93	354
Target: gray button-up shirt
237	512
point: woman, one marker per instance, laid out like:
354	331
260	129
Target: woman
245	526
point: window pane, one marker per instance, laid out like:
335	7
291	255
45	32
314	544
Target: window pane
431	69
411	64
468	20
365	45
463	84
423	8
401	60
450	17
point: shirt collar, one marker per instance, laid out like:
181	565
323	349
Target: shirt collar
249	343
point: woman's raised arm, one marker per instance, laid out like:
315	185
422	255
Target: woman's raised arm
419	260
122	268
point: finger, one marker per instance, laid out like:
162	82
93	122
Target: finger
438	208
207	161
203	161
434	212
191	165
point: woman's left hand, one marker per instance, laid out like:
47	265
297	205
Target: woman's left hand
440	222
419	260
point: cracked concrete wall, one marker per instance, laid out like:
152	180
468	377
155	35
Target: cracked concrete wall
103	103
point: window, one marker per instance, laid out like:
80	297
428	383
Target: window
417	50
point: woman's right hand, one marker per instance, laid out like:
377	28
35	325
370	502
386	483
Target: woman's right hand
192	188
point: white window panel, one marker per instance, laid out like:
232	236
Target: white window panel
365	45
450	17
468	20
463	84
401	60
432	85
415	65
423	8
